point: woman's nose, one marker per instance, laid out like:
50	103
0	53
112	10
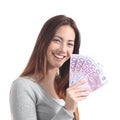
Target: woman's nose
63	48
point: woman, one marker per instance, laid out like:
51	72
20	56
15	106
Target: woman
42	91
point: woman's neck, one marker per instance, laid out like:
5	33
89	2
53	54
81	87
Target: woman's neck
48	83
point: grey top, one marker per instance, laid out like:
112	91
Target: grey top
29	101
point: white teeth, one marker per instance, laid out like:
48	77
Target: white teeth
59	56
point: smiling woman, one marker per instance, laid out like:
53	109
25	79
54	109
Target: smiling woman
42	91
61	47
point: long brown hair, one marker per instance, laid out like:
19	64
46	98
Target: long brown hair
37	61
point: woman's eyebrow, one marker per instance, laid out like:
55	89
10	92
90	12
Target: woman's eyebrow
71	40
58	37
62	38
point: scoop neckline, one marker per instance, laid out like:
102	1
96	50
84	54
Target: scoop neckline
57	100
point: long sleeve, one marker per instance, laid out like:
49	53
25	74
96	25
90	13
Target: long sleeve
28	101
22	102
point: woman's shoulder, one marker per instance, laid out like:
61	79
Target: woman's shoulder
22	81
23	84
25	87
26	84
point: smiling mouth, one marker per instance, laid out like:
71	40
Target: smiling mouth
59	56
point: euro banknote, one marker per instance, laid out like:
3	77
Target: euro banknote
84	67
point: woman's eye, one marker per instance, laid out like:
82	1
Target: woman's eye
71	44
56	40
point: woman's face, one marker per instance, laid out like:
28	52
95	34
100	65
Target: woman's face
60	47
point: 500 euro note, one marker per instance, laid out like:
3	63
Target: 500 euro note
76	62
86	68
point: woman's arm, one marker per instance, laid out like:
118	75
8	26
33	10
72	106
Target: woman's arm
22	101
74	94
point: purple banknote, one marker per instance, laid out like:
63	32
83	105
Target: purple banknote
84	67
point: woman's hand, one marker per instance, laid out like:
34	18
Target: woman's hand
74	94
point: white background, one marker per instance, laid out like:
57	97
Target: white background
99	24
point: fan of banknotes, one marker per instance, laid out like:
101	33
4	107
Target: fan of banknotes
84	67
